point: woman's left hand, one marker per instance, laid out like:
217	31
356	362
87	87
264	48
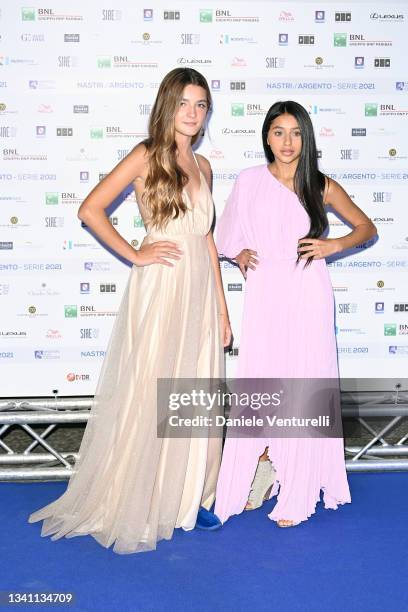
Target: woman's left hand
318	248
226	333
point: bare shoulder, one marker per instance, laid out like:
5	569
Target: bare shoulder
123	174
332	189
137	158
205	167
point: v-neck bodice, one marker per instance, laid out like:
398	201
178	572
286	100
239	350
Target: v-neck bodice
197	219
201	183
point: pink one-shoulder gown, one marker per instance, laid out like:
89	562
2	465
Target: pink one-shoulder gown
287	331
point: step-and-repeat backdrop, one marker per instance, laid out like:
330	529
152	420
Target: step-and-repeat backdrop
77	81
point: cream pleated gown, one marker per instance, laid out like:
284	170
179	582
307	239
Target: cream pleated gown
130	488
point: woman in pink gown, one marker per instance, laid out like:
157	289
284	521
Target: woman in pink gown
288	321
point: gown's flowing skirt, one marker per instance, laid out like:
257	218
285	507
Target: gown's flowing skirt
129	487
287	332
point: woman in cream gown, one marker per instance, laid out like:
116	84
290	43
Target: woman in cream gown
129	487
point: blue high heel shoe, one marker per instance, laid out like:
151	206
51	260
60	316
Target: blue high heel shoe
207	520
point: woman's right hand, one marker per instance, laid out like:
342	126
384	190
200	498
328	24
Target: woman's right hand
157	253
247	258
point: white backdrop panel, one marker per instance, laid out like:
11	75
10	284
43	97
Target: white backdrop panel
77	81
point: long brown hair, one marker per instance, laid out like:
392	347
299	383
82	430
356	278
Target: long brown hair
165	179
309	182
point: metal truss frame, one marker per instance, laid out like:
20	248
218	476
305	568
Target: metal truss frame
377	454
51	464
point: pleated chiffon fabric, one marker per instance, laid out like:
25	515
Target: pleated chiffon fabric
130	488
287	332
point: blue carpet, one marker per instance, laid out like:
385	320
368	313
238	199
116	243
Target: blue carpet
352	559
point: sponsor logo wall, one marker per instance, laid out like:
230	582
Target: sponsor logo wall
77	82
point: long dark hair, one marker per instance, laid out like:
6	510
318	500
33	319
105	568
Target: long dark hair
165	179
309	182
